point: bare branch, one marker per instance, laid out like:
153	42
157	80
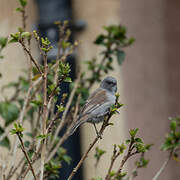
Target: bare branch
125	158
14	169
45	114
163	166
34	158
26	155
103	127
113	158
31	57
66	134
66	110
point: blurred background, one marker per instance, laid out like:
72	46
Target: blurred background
148	80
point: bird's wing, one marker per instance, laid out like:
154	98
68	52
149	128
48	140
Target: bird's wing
97	100
94	101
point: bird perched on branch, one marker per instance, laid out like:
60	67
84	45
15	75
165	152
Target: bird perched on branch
98	104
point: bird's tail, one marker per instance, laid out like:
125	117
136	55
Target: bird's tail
77	124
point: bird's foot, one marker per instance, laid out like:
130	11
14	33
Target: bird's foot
99	136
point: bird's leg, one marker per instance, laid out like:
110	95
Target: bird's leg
97	131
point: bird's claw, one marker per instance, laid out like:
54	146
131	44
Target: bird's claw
99	136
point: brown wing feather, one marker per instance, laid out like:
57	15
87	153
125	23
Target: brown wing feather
96	99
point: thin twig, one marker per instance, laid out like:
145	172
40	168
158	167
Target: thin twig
106	55
31	57
60	142
66	134
134	172
45	114
113	158
163	166
66	110
20	121
35	155
34	158
30	63
24	18
3	168
14	169
104	125
24	105
125	158
54	90
26	155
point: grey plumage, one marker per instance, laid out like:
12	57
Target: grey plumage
98	104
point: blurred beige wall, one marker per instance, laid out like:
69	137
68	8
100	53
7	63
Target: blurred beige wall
151	75
14	61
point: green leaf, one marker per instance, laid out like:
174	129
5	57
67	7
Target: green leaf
45	42
173	125
139	140
25	34
128	141
26	144
13	131
112	173
68	79
60	108
37	76
133	132
14	37
67	159
36	103
100	39
9	112
42	136
13	41
131	41
148	146
142	163
3	41
177	134
23	2
65	44
19	10
122	147
120	56
99	152
64	68
18	129
5	142
140	147
29	134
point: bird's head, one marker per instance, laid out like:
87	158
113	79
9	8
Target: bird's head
110	84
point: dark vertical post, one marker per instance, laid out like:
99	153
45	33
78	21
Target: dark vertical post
49	12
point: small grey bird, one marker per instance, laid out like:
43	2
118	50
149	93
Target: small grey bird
98	104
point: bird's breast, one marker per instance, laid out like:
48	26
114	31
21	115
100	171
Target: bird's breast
111	98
